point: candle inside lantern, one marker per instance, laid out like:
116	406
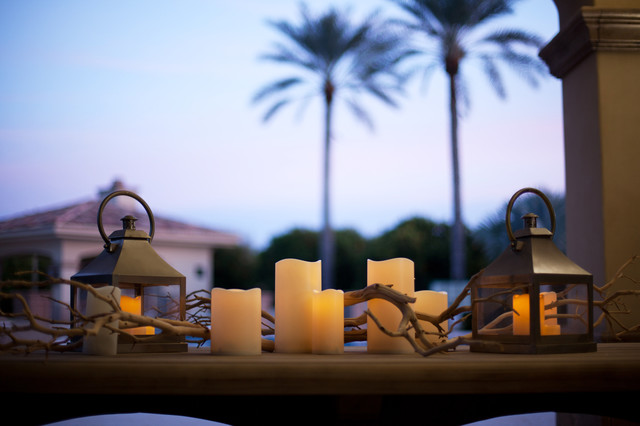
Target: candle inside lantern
328	322
133	305
296	280
521	315
236	318
550	326
432	303
400	273
105	342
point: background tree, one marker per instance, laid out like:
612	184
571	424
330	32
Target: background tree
337	59
235	267
303	244
453	33
426	243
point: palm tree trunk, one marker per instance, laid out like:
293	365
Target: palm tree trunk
457	254
327	250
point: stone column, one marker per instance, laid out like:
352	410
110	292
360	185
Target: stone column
597	55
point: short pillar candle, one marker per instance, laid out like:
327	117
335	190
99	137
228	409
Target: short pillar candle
400	273
328	322
106	341
550	326
432	303
296	280
236	318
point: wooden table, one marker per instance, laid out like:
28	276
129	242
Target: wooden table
357	387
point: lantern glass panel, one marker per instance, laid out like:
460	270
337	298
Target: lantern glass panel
161	301
509	311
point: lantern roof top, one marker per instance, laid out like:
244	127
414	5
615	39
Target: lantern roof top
533	257
129	260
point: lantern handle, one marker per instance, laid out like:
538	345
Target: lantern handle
132	195
552	213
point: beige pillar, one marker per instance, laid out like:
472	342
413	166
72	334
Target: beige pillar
597	55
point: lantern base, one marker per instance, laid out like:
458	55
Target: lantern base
520	348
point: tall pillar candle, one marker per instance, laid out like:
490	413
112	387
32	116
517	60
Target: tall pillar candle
105	342
432	303
400	273
236	318
296	281
328	322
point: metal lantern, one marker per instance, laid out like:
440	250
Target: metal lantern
149	286
532	298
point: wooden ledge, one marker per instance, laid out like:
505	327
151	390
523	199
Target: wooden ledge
191	383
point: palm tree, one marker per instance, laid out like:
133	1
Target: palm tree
457	32
334	59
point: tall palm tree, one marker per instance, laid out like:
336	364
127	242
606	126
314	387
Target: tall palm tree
334	59
454	33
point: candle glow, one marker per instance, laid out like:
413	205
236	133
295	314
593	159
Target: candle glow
521	315
133	305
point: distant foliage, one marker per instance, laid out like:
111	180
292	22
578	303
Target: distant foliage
423	241
303	244
426	243
297	244
235	268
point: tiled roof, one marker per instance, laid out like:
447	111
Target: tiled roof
86	214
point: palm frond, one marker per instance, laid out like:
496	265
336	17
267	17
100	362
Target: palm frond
361	114
493	74
453	24
275	108
528	67
356	59
285	55
506	37
276	87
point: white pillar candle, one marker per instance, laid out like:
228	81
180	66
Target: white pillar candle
550	326
106	341
432	303
296	281
400	273
328	322
236	318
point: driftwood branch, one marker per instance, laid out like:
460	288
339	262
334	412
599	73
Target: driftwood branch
66	335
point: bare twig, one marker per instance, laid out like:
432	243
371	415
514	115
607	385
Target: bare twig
65	335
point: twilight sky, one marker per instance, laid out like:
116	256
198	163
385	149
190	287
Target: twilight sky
158	93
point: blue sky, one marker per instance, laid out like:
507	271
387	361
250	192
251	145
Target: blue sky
158	93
